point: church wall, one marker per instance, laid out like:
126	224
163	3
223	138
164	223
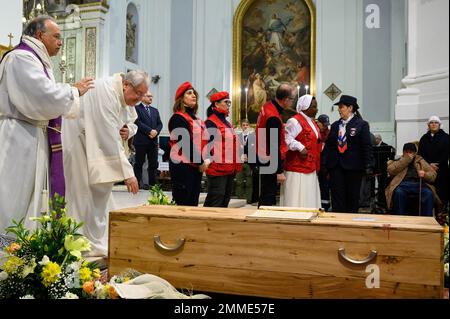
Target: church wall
10	21
154	41
426	89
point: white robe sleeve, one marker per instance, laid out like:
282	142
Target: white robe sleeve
107	162
130	118
44	99
293	129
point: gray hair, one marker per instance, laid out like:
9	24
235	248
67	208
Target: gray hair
137	77
37	24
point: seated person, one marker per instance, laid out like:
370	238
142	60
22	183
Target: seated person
411	173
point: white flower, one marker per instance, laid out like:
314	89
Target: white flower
446	269
28	297
44	261
70	296
29	268
74	267
3	275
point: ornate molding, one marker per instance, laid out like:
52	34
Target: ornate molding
90	69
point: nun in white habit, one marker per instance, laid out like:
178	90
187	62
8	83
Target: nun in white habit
302	164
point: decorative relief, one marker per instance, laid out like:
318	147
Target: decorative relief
71	45
131	39
333	92
91	53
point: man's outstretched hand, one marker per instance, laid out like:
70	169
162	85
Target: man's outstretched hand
84	85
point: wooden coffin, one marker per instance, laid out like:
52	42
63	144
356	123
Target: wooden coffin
224	251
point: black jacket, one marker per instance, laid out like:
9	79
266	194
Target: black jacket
146	123
359	155
434	149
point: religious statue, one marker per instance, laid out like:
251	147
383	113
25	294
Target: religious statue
131	39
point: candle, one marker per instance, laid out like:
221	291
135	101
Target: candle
298	91
307	89
246	103
63	58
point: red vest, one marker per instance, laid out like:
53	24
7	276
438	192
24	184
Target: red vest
199	138
269	110
294	161
225	159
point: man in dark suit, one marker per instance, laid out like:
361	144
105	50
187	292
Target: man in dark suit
382	153
146	140
348	156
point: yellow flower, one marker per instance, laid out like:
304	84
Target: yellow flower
13	248
42	220
110	292
13	264
85	275
50	273
97	273
76	247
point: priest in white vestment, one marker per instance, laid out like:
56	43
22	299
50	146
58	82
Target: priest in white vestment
302	163
94	155
29	98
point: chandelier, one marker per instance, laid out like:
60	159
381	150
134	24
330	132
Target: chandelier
35	8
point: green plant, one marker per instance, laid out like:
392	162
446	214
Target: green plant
157	197
46	263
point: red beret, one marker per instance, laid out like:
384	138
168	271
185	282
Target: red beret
182	89
219	97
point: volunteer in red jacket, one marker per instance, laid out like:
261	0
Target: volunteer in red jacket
187	142
302	164
225	160
270	134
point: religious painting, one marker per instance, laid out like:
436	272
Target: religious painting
274	43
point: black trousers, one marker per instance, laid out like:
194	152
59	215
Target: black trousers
186	184
219	191
345	190
151	153
269	188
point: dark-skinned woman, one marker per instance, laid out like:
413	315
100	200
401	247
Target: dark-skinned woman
225	161
348	156
302	164
188	140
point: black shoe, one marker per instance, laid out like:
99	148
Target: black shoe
146	187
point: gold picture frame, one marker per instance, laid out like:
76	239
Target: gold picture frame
241	107
3	50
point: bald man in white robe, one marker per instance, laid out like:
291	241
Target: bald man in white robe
29	98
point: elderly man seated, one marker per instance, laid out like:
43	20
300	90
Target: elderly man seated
411	175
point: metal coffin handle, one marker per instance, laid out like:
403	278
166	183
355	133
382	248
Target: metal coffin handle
373	255
180	244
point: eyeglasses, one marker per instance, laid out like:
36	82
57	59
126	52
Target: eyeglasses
291	98
139	94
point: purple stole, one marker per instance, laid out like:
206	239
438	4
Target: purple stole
57	182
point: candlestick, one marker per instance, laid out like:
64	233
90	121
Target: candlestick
246	103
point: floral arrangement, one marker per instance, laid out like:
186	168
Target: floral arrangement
47	263
157	197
